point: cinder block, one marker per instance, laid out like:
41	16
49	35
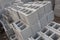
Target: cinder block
47	33
22	30
6	16
51	31
30	17
35	28
13	13
11	34
55	27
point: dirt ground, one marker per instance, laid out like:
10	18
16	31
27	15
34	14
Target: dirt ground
57	19
3	35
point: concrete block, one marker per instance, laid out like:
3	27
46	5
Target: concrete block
6	16
11	34
54	27
47	33
51	31
13	13
22	30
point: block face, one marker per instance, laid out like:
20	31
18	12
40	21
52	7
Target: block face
35	28
33	18
22	29
41	13
43	22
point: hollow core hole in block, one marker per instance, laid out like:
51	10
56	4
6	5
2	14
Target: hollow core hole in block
56	26
25	11
17	8
16	39
36	7
29	6
44	30
55	37
23	27
13	36
35	36
29	12
49	33
20	24
51	24
33	6
17	22
44	2
41	38
22	9
24	6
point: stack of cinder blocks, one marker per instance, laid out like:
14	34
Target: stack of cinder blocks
28	19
